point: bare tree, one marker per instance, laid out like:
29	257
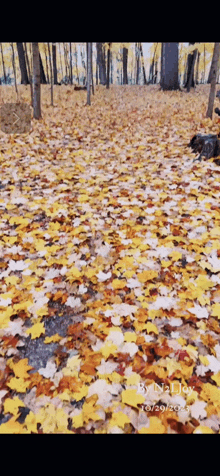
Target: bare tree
3	65
71	65
125	65
190	69
142	62
22	63
51	74
29	72
36	81
137	54
108	65
54	56
89	72
213	81
101	63
14	69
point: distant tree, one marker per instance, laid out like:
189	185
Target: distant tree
36	81
108	65
51	74
3	65
213	81
71	65
142	62
125	65
22	63
42	73
101	63
137	54
54	56
14	68
169	66
89	72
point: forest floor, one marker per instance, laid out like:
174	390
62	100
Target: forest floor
110	265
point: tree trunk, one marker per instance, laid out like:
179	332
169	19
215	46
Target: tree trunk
61	65
3	65
14	69
125	65
42	73
142	61
29	73
89	71
170	63
162	73
71	65
77	72
211	69
101	63
47	69
36	81
213	81
51	74
108	65
54	56
191	73
197	68
190	69
137	51
22	63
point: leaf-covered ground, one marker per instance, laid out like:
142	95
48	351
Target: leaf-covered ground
110	266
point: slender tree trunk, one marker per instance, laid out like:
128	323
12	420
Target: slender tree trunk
137	61
29	73
211	70
197	68
14	69
125	65
22	63
142	62
108	65
204	61
66	62
101	63
3	65
36	81
54	56
71	65
213	81
111	63
51	74
162	73
77	72
89	72
47	69
42	73
61	64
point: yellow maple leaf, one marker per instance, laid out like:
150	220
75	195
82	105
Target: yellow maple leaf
11	405
118	283
130	337
155	427
54	338
119	419
147	275
201	429
18	384
21	368
151	328
108	349
216	310
216	378
12	427
132	398
31	423
36	330
77	420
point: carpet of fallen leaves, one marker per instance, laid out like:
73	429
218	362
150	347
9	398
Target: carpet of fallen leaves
110	266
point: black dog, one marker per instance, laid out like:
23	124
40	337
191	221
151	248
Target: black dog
207	146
